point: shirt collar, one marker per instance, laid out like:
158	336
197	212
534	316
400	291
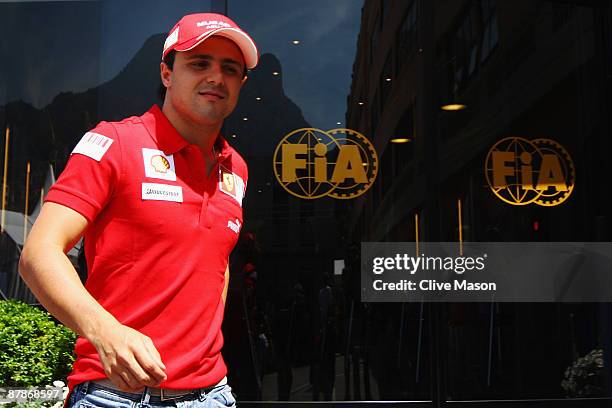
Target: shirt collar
223	147
168	139
162	131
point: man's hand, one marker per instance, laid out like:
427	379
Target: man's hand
129	358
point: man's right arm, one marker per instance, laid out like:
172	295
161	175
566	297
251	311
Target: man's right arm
130	358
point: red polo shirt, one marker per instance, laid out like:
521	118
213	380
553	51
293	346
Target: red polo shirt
159	236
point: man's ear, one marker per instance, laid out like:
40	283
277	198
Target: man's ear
244	80
165	72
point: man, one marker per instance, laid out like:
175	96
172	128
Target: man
158	199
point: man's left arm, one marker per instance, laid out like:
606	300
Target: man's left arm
227	275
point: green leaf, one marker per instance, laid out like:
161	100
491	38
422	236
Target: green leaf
34	350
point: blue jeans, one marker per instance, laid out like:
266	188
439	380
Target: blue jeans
91	395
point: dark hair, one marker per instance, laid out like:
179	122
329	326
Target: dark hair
169	61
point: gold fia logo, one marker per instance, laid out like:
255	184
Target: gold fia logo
521	171
312	163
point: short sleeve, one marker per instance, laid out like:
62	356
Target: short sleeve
91	174
241	174
246	179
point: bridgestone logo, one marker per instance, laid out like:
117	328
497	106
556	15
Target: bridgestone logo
161	192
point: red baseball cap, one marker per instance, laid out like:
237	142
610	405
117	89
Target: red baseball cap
192	29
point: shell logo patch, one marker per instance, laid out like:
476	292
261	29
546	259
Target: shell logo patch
231	184
158	165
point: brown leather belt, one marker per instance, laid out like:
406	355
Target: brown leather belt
163	393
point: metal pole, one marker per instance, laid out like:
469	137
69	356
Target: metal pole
460	221
419	342
245	310
401	335
491	324
347	362
6	148
25	211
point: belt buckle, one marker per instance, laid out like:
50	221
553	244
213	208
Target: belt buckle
162	397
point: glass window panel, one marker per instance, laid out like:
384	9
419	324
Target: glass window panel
295	326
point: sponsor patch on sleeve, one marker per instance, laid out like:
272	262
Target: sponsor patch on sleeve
93	145
231	184
240	188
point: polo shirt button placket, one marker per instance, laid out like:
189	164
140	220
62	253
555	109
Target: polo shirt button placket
204	210
212	183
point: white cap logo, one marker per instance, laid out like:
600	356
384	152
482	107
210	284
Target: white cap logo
213	24
172	39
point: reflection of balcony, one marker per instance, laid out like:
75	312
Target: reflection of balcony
17	225
301	233
397	201
288	211
535	82
302	388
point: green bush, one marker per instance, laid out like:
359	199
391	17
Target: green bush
585	377
28	405
34	350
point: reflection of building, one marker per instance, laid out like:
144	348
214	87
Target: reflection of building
528	68
522	68
515	78
17	226
297	237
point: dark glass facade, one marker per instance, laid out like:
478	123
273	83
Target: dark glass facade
295	327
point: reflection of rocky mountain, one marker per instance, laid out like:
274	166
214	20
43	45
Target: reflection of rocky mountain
298	239
285	225
134	89
269	118
49	134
